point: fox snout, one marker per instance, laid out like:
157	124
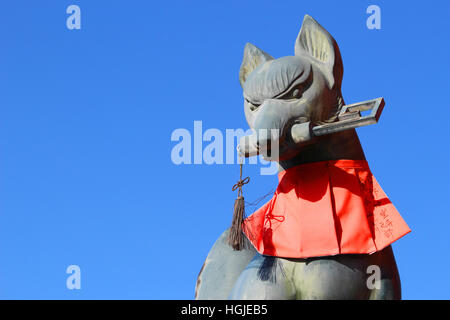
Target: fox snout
284	96
272	125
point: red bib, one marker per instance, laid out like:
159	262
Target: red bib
325	208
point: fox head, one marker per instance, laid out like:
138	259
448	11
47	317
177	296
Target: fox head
284	97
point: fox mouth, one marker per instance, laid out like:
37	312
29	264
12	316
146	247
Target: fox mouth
271	143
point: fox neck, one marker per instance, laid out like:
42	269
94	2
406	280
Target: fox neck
341	145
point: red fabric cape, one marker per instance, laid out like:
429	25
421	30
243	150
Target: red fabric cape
325	208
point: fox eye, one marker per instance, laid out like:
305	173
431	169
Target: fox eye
253	106
295	93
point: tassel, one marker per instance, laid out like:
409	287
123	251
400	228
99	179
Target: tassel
236	234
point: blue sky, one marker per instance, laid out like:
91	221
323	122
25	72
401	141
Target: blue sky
86	176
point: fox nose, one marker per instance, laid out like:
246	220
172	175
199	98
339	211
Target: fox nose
248	146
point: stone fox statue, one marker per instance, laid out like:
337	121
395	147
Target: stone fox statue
326	233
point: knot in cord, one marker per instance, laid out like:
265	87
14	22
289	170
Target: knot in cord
240	183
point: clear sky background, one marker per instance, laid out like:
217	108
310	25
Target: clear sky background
86	176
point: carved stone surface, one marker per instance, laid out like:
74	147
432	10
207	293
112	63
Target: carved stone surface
218	275
300	97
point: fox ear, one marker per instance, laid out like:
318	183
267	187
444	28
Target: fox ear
253	57
318	45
